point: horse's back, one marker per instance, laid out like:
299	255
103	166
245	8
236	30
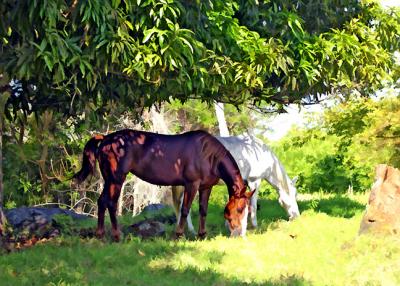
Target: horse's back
253	157
163	159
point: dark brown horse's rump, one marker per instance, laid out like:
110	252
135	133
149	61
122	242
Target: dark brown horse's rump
195	159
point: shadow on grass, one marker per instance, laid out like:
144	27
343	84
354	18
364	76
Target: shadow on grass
71	261
337	206
270	211
209	277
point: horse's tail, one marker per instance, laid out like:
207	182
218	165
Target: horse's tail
89	159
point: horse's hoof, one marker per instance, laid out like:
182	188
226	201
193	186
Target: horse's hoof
100	234
178	235
252	226
116	235
202	236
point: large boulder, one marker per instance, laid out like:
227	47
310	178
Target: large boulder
34	218
28	225
383	210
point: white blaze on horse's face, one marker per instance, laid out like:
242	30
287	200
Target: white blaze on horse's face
236	213
243	222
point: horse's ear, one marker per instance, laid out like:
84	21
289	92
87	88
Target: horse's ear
249	194
294	180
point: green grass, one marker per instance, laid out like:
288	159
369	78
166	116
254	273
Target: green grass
320	248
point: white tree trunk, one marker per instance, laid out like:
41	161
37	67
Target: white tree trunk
223	127
141	192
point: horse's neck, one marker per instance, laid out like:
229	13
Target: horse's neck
277	175
230	174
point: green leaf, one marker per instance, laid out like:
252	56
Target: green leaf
187	43
148	34
49	62
129	24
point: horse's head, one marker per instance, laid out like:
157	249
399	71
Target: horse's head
288	200
236	212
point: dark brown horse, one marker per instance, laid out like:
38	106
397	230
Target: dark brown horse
195	160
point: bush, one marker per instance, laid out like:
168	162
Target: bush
342	152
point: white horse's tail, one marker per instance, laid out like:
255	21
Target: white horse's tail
177	200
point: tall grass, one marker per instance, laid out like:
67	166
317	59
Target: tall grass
322	247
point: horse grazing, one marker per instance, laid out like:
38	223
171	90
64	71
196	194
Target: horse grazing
195	160
256	162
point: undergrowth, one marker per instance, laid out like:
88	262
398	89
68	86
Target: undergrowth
322	247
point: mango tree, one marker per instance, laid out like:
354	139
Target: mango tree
75	57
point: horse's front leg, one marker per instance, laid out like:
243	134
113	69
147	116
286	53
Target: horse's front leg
204	196
112	205
253	202
188	196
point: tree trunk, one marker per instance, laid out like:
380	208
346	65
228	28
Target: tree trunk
121	201
2	216
4	94
223	127
47	118
81	195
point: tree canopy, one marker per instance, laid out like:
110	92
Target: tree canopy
71	54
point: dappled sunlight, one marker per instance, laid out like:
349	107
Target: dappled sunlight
301	248
315	249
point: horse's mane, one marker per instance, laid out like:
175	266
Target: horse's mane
211	148
283	178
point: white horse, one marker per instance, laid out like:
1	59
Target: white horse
256	162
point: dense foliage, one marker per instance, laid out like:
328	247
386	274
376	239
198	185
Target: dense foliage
195	114
70	54
342	150
77	66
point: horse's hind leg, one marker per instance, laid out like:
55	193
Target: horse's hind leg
112	205
102	205
188	196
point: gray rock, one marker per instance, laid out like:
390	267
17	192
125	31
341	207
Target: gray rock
36	217
156	212
147	229
153	208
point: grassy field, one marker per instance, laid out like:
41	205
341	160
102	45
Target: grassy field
320	248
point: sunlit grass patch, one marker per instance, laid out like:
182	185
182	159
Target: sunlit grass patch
319	248
285	251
